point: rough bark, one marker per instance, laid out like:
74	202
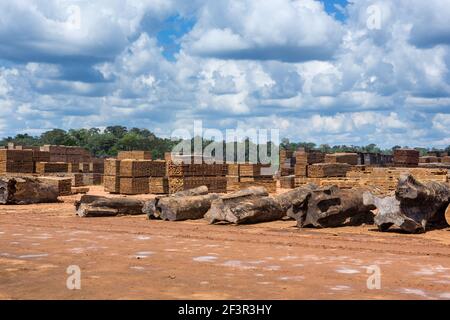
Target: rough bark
151	207
185	208
95	206
248	211
295	202
218	211
415	207
25	190
333	207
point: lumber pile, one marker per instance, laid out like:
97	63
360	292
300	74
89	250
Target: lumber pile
159	185
67	154
429	159
246	175
305	158
97	166
348	158
287	182
16	161
134	155
51	167
92	179
406	157
445	159
287	162
62	184
326	170
217	184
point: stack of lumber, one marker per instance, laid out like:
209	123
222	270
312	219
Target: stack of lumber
16	161
429	159
348	158
67	154
305	158
97	166
189	172
406	157
63	184
134	155
326	170
111	180
92	179
287	182
51	167
159	185
287	162
244	175
41	156
445	159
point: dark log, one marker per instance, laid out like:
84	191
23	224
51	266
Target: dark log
151	207
416	206
95	206
218	211
185	208
333	207
26	190
295	202
248	211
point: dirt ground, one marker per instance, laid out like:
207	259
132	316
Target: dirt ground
133	258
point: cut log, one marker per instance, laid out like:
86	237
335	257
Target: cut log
151	207
333	207
415	207
219	211
246	211
26	190
295	201
95	206
185	208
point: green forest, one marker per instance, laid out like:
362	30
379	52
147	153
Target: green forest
108	142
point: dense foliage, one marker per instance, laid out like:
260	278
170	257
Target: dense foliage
107	142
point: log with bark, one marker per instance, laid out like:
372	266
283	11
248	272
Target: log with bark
26	190
220	208
185	208
96	206
151	207
333	207
415	208
295	202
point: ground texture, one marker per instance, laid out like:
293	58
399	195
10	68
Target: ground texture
133	258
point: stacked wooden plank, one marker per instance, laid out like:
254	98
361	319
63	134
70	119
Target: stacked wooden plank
406	157
305	158
188	172
51	167
245	175
16	161
348	158
327	170
134	155
445	159
97	166
67	154
63	184
429	159
287	162
287	182
159	185
111	180
92	179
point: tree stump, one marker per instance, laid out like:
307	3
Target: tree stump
95	206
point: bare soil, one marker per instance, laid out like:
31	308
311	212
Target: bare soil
133	258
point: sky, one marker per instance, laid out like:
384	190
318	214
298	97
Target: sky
337	72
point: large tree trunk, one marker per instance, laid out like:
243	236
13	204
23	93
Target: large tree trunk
219	211
414	208
151	207
95	206
248	211
295	202
185	208
25	190
333	207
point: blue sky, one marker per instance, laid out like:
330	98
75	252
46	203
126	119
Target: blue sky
369	71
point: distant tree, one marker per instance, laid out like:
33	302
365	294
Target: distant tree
117	131
58	137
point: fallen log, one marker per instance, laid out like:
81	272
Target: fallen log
295	202
26	190
96	206
219	208
414	208
151	207
333	207
185	208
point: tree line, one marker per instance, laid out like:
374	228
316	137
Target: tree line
111	140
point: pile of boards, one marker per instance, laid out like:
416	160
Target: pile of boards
193	171
245	175
130	176
406	157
